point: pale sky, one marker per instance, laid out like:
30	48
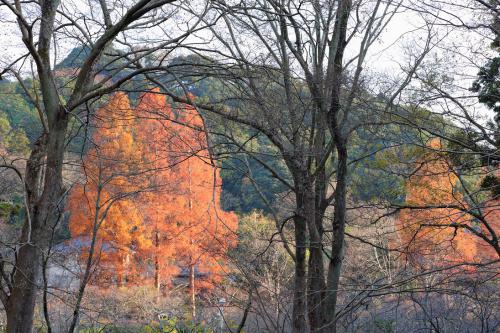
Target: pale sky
403	36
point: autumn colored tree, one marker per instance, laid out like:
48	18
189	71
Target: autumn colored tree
206	231
103	214
186	224
158	207
151	196
433	205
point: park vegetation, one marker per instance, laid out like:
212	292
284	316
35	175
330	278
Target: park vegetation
249	166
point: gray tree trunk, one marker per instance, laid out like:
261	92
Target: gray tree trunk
299	320
41	218
338	225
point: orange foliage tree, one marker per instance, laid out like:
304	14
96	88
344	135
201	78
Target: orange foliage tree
434	204
102	217
158	207
207	231
174	220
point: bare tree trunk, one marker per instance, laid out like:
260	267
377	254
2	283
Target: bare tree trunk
299	323
335	124
316	286
126	264
20	309
315	272
88	266
192	291
21	302
157	265
37	229
245	313
317	283
338	226
45	300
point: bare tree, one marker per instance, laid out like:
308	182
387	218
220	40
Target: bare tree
298	74
299	91
41	25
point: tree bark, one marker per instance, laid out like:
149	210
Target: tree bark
299	323
192	291
340	138
157	265
41	215
21	305
88	266
316	271
338	225
317	283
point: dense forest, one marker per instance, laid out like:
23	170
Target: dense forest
249	166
